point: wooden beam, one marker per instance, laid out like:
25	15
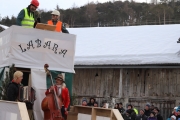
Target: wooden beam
117	114
82	109
93	115
113	114
23	111
72	116
120	82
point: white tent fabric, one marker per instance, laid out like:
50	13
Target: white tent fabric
32	48
39	84
150	44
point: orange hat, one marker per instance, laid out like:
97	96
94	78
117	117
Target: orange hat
35	3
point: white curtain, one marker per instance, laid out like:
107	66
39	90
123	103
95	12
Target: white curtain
38	78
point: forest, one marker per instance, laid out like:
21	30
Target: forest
117	13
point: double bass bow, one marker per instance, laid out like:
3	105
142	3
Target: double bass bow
51	104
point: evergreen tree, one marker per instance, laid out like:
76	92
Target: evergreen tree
113	13
1	29
5	83
3	93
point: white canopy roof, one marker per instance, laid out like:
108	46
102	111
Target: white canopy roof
151	44
32	48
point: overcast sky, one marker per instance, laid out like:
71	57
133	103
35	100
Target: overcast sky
13	7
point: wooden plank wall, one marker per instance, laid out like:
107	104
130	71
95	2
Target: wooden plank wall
157	86
135	82
151	82
85	82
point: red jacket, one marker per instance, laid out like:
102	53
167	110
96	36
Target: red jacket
64	95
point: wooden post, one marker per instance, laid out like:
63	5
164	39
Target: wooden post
93	115
120	82
23	111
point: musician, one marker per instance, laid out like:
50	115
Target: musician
62	93
60	27
13	86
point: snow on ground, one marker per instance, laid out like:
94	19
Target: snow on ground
151	44
3	26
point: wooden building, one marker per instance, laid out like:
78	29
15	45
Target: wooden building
137	65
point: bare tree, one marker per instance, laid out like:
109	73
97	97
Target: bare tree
91	12
158	11
57	7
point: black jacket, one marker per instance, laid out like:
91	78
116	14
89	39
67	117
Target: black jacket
144	117
147	112
91	104
131	116
159	117
12	91
121	110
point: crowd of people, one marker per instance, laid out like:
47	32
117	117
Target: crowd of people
149	112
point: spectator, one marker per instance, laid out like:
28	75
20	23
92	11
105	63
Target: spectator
152	108
178	108
121	109
131	111
95	104
84	102
157	114
91	102
116	106
173	117
141	116
152	116
173	113
178	115
104	105
147	110
127	115
135	110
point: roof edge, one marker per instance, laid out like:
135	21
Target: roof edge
130	66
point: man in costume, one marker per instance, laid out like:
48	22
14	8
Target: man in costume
60	27
13	86
62	93
26	16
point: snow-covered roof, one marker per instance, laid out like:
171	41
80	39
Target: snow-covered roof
151	44
3	26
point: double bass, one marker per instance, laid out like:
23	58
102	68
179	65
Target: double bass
51	104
